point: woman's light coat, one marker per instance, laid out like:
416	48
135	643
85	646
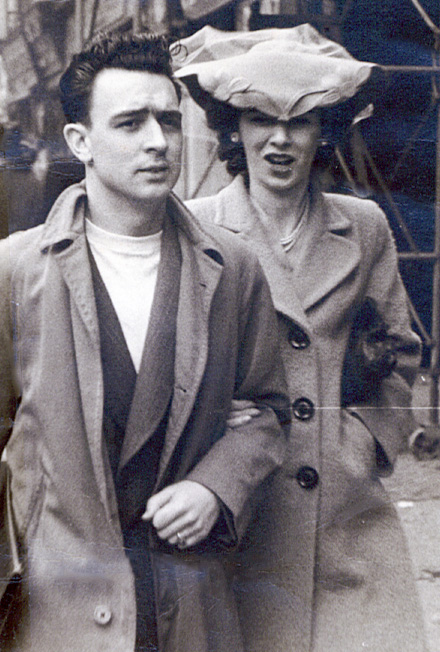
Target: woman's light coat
326	568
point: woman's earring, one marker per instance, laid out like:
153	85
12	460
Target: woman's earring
235	137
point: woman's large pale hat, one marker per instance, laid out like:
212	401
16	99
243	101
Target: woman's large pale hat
280	72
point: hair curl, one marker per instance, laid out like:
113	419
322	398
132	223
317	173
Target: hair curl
144	52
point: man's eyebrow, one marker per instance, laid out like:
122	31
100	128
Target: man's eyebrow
133	113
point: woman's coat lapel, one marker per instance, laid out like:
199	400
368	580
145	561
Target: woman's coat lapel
324	260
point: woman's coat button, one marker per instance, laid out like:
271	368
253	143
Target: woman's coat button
307	477
303	409
297	338
102	615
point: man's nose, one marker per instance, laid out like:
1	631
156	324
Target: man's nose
153	136
281	134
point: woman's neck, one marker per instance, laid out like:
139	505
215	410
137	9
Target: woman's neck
285	210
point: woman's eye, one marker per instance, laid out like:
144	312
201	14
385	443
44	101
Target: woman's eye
301	120
261	120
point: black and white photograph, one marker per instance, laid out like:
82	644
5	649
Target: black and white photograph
219	326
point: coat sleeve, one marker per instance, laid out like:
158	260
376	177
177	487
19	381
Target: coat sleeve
388	413
7	385
239	462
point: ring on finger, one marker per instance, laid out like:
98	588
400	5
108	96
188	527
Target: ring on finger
180	540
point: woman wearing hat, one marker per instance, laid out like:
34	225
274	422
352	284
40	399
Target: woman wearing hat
325	567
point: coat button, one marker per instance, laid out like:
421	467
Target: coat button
102	615
303	408
297	338
307	477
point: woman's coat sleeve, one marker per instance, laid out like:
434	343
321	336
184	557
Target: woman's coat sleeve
388	414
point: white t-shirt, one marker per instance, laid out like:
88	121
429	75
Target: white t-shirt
128	266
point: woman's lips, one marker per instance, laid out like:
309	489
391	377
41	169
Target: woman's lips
279	159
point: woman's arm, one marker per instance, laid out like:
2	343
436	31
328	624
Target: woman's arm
386	412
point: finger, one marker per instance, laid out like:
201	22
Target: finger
174	510
236	421
192	540
253	412
156	502
181	537
184	525
250	412
241	417
189	537
239	404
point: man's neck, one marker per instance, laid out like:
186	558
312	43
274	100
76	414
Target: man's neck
117	214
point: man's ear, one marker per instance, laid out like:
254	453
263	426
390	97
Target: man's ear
76	135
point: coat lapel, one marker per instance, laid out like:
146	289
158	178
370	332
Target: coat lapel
235	211
322	259
64	235
326	256
156	375
200	275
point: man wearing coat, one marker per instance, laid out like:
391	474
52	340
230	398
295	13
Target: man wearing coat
126	329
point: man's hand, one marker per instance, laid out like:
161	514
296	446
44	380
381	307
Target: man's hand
183	513
241	413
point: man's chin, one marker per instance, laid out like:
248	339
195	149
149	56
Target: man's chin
154	191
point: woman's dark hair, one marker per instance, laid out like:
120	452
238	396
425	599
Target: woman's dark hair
145	52
224	120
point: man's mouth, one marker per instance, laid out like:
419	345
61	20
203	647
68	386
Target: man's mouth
159	168
279	159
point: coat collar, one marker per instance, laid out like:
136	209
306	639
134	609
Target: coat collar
328	255
65	222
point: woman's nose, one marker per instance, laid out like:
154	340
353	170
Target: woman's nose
153	135
281	134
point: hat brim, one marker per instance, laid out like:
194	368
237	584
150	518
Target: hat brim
285	74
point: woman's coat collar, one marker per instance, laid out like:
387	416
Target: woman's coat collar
330	255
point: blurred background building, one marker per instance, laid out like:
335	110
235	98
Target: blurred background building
393	158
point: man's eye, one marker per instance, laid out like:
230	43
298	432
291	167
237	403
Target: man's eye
172	120
129	125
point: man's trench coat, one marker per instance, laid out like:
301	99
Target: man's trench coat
327	568
79	588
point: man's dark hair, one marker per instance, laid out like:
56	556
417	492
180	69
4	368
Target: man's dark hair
145	52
